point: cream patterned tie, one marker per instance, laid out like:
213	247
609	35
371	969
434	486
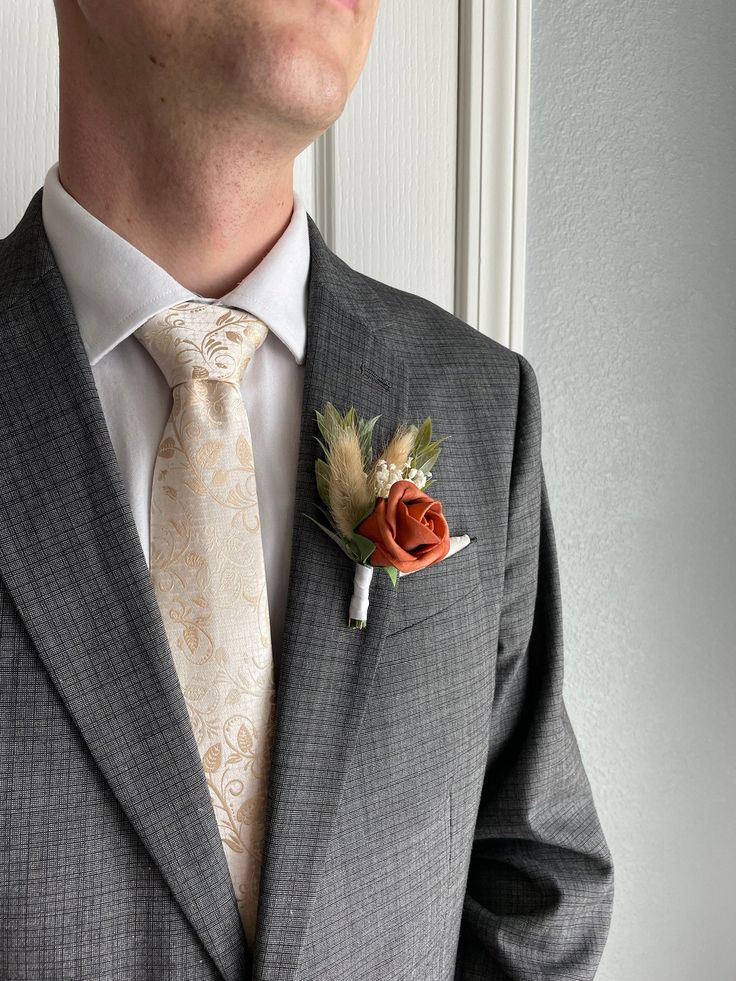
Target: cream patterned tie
208	571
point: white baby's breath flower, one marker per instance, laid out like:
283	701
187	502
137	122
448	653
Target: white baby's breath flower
418	477
386	475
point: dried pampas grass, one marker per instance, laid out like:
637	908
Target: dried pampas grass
349	488
400	446
398	450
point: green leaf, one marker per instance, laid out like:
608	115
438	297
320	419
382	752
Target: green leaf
427	460
333	420
427	456
330	422
424	434
364	546
328	531
324	448
334	536
393	573
326	422
366	513
322	472
327	516
365	437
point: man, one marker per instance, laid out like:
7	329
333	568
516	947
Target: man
424	812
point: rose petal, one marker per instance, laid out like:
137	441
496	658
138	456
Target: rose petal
408	527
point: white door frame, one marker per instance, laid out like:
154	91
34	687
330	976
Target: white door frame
493	64
492	148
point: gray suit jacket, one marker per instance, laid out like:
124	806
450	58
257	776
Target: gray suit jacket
429	815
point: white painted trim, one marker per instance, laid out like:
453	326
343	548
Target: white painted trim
324	186
494	47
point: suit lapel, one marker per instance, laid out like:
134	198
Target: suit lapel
326	669
72	561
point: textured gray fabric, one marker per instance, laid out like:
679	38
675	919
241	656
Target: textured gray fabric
429	815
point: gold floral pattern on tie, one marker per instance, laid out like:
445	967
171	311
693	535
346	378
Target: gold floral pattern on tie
208	572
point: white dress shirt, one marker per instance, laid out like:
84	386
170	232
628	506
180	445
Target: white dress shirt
114	288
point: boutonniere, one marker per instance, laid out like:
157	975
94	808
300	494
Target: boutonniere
377	509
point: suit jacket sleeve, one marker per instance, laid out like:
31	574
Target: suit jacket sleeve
540	881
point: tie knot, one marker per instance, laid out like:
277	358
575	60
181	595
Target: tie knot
202	341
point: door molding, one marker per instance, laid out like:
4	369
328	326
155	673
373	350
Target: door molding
491	152
494	45
324	185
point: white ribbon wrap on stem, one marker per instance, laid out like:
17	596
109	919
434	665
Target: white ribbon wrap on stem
361	584
364	573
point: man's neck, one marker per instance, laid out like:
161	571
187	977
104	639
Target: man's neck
206	211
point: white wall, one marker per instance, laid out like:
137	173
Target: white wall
395	153
29	105
631	325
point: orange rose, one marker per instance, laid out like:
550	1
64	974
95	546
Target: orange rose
408	527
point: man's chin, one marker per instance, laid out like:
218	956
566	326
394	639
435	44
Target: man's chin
312	104
301	125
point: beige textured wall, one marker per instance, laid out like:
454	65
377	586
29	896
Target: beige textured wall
631	325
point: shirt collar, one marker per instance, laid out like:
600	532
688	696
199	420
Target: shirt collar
114	288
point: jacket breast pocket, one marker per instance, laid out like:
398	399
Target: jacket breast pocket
444	587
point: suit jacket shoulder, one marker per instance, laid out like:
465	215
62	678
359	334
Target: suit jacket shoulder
24	255
452	367
418	320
